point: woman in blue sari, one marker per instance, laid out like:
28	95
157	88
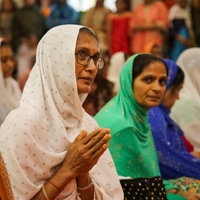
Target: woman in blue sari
174	159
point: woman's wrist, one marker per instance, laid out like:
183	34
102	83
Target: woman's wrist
83	180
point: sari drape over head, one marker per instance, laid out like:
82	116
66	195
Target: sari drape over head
35	137
174	160
186	111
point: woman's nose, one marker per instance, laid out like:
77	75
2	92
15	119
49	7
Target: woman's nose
91	66
157	87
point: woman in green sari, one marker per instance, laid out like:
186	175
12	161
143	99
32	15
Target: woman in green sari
142	85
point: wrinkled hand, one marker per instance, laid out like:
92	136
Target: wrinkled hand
85	151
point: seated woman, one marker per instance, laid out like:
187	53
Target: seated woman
9	88
174	159
186	111
142	85
40	141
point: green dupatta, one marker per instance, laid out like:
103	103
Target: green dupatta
131	145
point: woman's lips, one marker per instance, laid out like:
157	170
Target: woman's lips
86	78
154	97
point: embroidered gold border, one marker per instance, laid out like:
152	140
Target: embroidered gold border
5	180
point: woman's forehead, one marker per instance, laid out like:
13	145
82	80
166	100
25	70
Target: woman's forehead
87	41
154	68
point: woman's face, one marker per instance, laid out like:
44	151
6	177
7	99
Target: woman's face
171	96
85	74
183	3
196	4
149	86
7	61
120	5
7	5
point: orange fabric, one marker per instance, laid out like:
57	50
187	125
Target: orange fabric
5	186
156	14
2	191
47	12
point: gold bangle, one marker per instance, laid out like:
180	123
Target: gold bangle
44	192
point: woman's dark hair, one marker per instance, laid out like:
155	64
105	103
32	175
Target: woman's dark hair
178	79
13	4
89	31
3	44
142	61
128	5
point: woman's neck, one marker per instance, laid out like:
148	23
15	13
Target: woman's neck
121	12
99	6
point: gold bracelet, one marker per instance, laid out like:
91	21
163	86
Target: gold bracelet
44	192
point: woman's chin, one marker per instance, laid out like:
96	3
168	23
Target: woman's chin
84	89
151	105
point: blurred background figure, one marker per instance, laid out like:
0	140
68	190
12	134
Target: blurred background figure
148	24
6	16
155	49
10	93
61	13
116	64
195	13
24	77
181	33
118	25
101	91
186	111
96	19
28	28
91	103
105	87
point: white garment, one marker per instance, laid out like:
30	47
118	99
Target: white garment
35	137
10	94
176	12
116	64
186	111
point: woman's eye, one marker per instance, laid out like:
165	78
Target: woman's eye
148	80
4	60
82	55
162	82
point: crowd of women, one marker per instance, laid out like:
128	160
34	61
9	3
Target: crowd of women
133	133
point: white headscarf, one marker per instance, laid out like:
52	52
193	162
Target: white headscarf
10	94
35	137
186	110
116	64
